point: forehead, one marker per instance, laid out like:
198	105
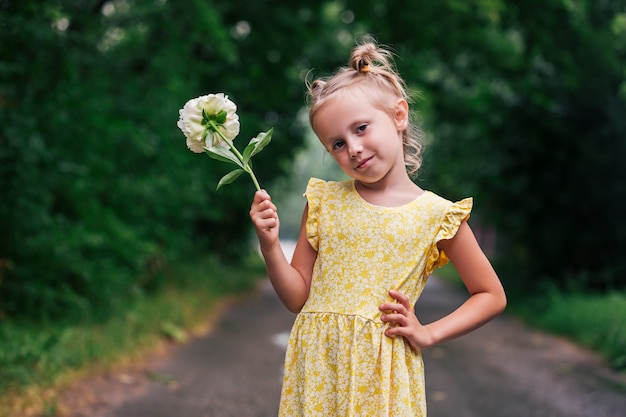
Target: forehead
342	112
339	111
346	104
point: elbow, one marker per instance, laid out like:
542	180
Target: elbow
502	306
500	302
295	302
294	310
495	303
293	306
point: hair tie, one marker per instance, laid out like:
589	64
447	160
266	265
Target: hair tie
365	68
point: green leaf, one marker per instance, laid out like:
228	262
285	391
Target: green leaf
230	177
222	153
257	144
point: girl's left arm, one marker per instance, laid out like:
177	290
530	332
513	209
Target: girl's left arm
487	298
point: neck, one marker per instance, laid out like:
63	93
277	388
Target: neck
391	194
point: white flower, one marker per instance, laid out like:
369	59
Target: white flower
202	115
210	123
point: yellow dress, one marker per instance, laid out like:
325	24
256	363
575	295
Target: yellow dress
338	361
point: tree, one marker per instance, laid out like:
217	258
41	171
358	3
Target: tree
525	105
98	189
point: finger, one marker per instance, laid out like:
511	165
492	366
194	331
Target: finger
265	195
264	208
270	206
267	218
270	215
401	298
399	319
260	196
392	307
265	202
394	331
266	224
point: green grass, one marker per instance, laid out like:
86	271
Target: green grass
37	361
594	321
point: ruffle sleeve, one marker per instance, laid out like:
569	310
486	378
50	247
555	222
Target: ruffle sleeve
456	214
314	193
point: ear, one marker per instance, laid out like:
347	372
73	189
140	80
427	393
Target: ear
401	115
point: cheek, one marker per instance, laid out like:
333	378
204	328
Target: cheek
341	159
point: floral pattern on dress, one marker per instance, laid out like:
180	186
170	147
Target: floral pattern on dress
338	361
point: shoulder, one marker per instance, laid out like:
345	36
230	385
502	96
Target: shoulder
316	185
441	206
435	201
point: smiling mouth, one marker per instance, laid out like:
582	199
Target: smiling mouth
362	163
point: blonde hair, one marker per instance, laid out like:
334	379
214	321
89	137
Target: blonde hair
371	70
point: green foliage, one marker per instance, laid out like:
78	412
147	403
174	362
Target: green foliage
36	361
524	107
98	191
596	321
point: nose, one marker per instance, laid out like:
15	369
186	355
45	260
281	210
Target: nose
355	147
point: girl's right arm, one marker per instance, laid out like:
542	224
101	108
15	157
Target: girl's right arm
290	281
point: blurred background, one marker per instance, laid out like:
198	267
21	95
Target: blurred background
523	104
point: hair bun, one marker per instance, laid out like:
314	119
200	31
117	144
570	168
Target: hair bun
363	66
367	55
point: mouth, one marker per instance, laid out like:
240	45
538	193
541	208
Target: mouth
363	163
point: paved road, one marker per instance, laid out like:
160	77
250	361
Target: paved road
234	371
502	370
506	369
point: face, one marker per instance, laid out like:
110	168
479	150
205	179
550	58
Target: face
365	141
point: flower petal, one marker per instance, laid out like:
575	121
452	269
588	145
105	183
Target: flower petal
195	145
196	127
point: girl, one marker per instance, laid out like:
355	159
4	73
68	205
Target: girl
365	250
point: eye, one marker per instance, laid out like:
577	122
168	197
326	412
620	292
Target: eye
361	128
338	144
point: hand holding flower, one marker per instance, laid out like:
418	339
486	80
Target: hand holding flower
265	219
210	123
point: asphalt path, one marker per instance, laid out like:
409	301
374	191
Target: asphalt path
503	369
234	371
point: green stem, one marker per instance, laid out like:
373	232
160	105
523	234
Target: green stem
246	167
